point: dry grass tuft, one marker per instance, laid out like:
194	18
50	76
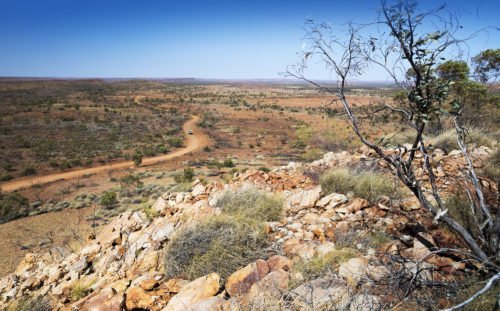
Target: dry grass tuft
227	242
364	184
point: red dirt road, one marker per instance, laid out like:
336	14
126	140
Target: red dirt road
193	142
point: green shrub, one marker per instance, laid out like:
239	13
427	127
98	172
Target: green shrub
364	184
175	142
28	170
137	158
312	154
226	242
80	290
264	169
186	175
228	163
337	180
108	199
13	206
6	177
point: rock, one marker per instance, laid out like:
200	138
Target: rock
211	304
310	218
278	262
199	189
321	294
323	250
357	205
194	292
239	282
302	199
173	286
332	200
137	298
364	302
107	300
377	273
164	229
269	289
148	283
297	247
160	205
353	270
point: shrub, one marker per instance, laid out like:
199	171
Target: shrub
6	177
318	266
337	180
447	141
108	199
228	163
186	175
13	206
312	154
491	168
226	242
28	170
80	290
364	184
39	303
251	203
175	142
221	244
137	158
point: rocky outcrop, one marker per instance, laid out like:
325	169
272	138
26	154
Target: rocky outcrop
122	268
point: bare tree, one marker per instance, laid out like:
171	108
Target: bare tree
401	43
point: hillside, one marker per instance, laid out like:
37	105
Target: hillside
297	237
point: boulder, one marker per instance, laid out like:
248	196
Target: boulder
321	294
137	298
239	282
302	199
107	300
364	302
211	304
194	292
278	262
353	270
270	289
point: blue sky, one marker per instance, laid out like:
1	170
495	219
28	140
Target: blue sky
200	39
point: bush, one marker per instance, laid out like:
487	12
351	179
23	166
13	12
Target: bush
137	158
108	199
226	242
6	177
491	168
175	142
80	290
39	303
28	170
337	180
228	163
364	184
186	175
447	141
251	203
221	244
13	206
312	154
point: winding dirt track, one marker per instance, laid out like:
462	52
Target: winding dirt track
193	142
